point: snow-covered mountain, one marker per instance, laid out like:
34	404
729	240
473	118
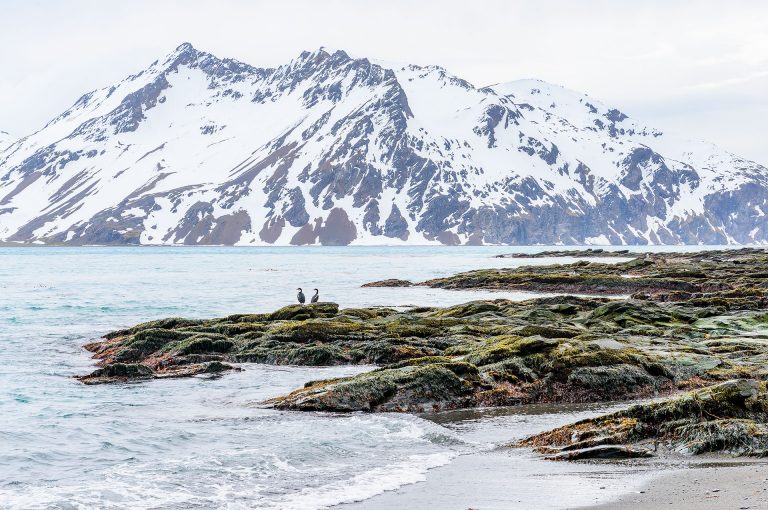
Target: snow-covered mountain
330	149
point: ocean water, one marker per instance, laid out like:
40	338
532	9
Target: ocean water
205	443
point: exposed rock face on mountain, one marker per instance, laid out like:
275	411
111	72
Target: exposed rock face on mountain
6	139
334	150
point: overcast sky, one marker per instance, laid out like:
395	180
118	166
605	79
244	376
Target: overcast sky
696	68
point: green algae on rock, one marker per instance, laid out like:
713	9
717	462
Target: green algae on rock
703	326
563	349
408	387
730	279
483	353
588	252
730	417
392	282
119	372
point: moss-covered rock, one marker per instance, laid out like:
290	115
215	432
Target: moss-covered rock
118	372
147	341
414	388
554	349
302	312
727	279
392	282
121	372
561	349
505	347
613	380
728	417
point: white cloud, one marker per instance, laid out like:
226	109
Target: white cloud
696	67
736	80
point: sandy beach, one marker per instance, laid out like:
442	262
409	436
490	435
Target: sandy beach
731	485
498	480
508	479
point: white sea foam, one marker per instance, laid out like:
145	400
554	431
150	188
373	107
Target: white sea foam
366	484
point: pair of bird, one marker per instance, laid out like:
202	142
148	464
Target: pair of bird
302	299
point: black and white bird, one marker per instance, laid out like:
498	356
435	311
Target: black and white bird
316	297
300	296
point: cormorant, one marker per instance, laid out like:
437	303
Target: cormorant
316	297
301	296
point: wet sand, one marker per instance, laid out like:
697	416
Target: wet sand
504	480
498	478
740	485
507	479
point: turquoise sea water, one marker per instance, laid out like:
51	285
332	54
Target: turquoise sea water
204	443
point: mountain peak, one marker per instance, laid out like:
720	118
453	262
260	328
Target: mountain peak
187	55
185	47
332	51
323	53
184	53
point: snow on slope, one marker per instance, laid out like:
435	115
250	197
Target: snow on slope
565	112
334	150
6	139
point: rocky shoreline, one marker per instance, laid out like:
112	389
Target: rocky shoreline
694	323
586	253
731	279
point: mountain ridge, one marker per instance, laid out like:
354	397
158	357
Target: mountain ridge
6	139
330	149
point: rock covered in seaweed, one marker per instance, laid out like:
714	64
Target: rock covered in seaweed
391	282
488	353
729	279
415	386
483	353
602	452
118	372
552	350
136	372
729	417
588	252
